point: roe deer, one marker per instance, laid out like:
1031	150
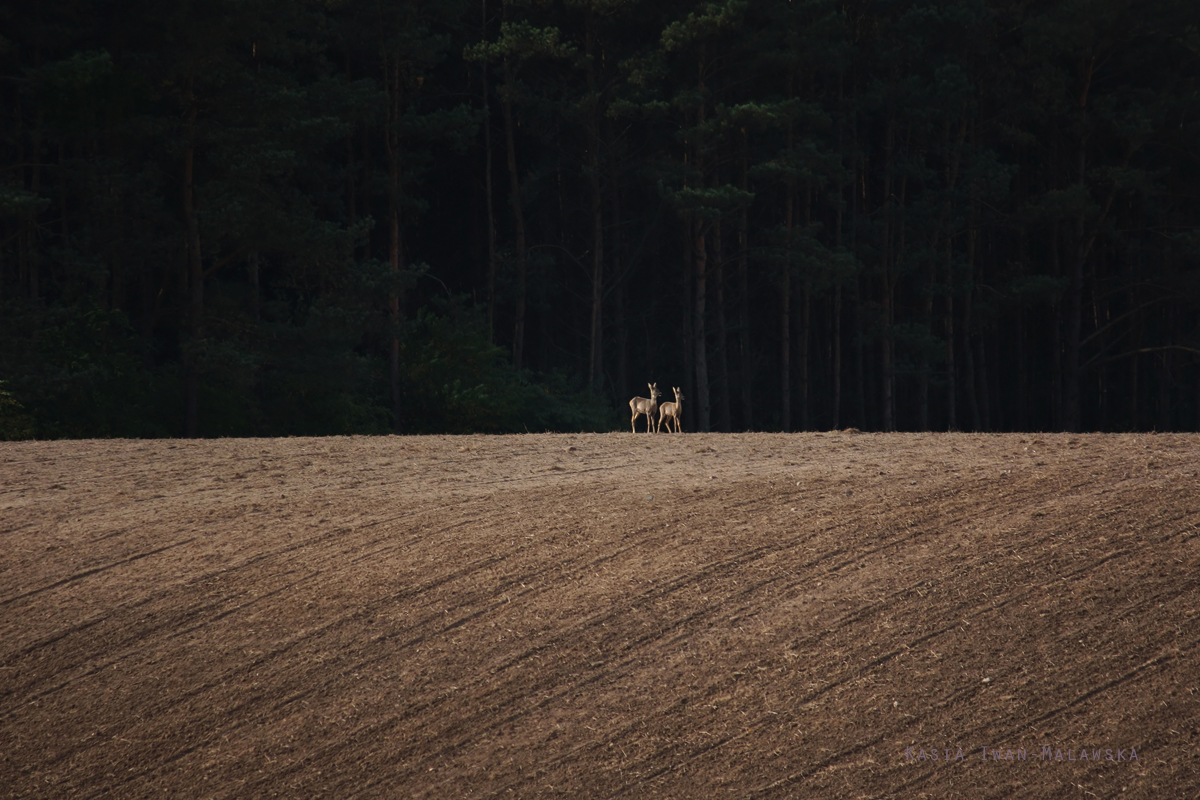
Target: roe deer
640	405
671	411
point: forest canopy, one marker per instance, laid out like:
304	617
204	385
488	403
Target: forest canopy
308	217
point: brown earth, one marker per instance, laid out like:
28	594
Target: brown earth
757	615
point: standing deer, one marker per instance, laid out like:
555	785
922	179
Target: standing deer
640	405
671	411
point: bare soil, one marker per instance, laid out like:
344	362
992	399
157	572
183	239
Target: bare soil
618	615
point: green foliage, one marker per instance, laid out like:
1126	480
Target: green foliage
19	203
520	41
15	424
455	382
709	202
79	372
712	20
1037	288
939	182
91	381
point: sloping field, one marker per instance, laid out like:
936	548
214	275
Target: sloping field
760	615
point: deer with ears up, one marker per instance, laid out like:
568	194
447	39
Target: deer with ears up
641	405
671	411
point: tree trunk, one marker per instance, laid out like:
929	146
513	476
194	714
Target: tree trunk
700	252
396	262
1021	405
744	352
969	380
596	353
805	325
805	348
621	284
722	332
924	368
1197	422
887	373
689	308
395	245
1071	414
195	279
18	178
1135	408
785	320
367	141
487	188
1164	389
860	389
32	228
63	217
514	185
951	369
351	182
837	356
860	358
1074	322
951	159
256	294
982	395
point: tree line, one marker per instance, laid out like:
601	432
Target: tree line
275	217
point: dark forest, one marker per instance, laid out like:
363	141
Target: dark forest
312	217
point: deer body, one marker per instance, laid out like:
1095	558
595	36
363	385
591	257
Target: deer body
671	411
641	405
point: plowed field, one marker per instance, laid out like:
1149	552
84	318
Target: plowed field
618	615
